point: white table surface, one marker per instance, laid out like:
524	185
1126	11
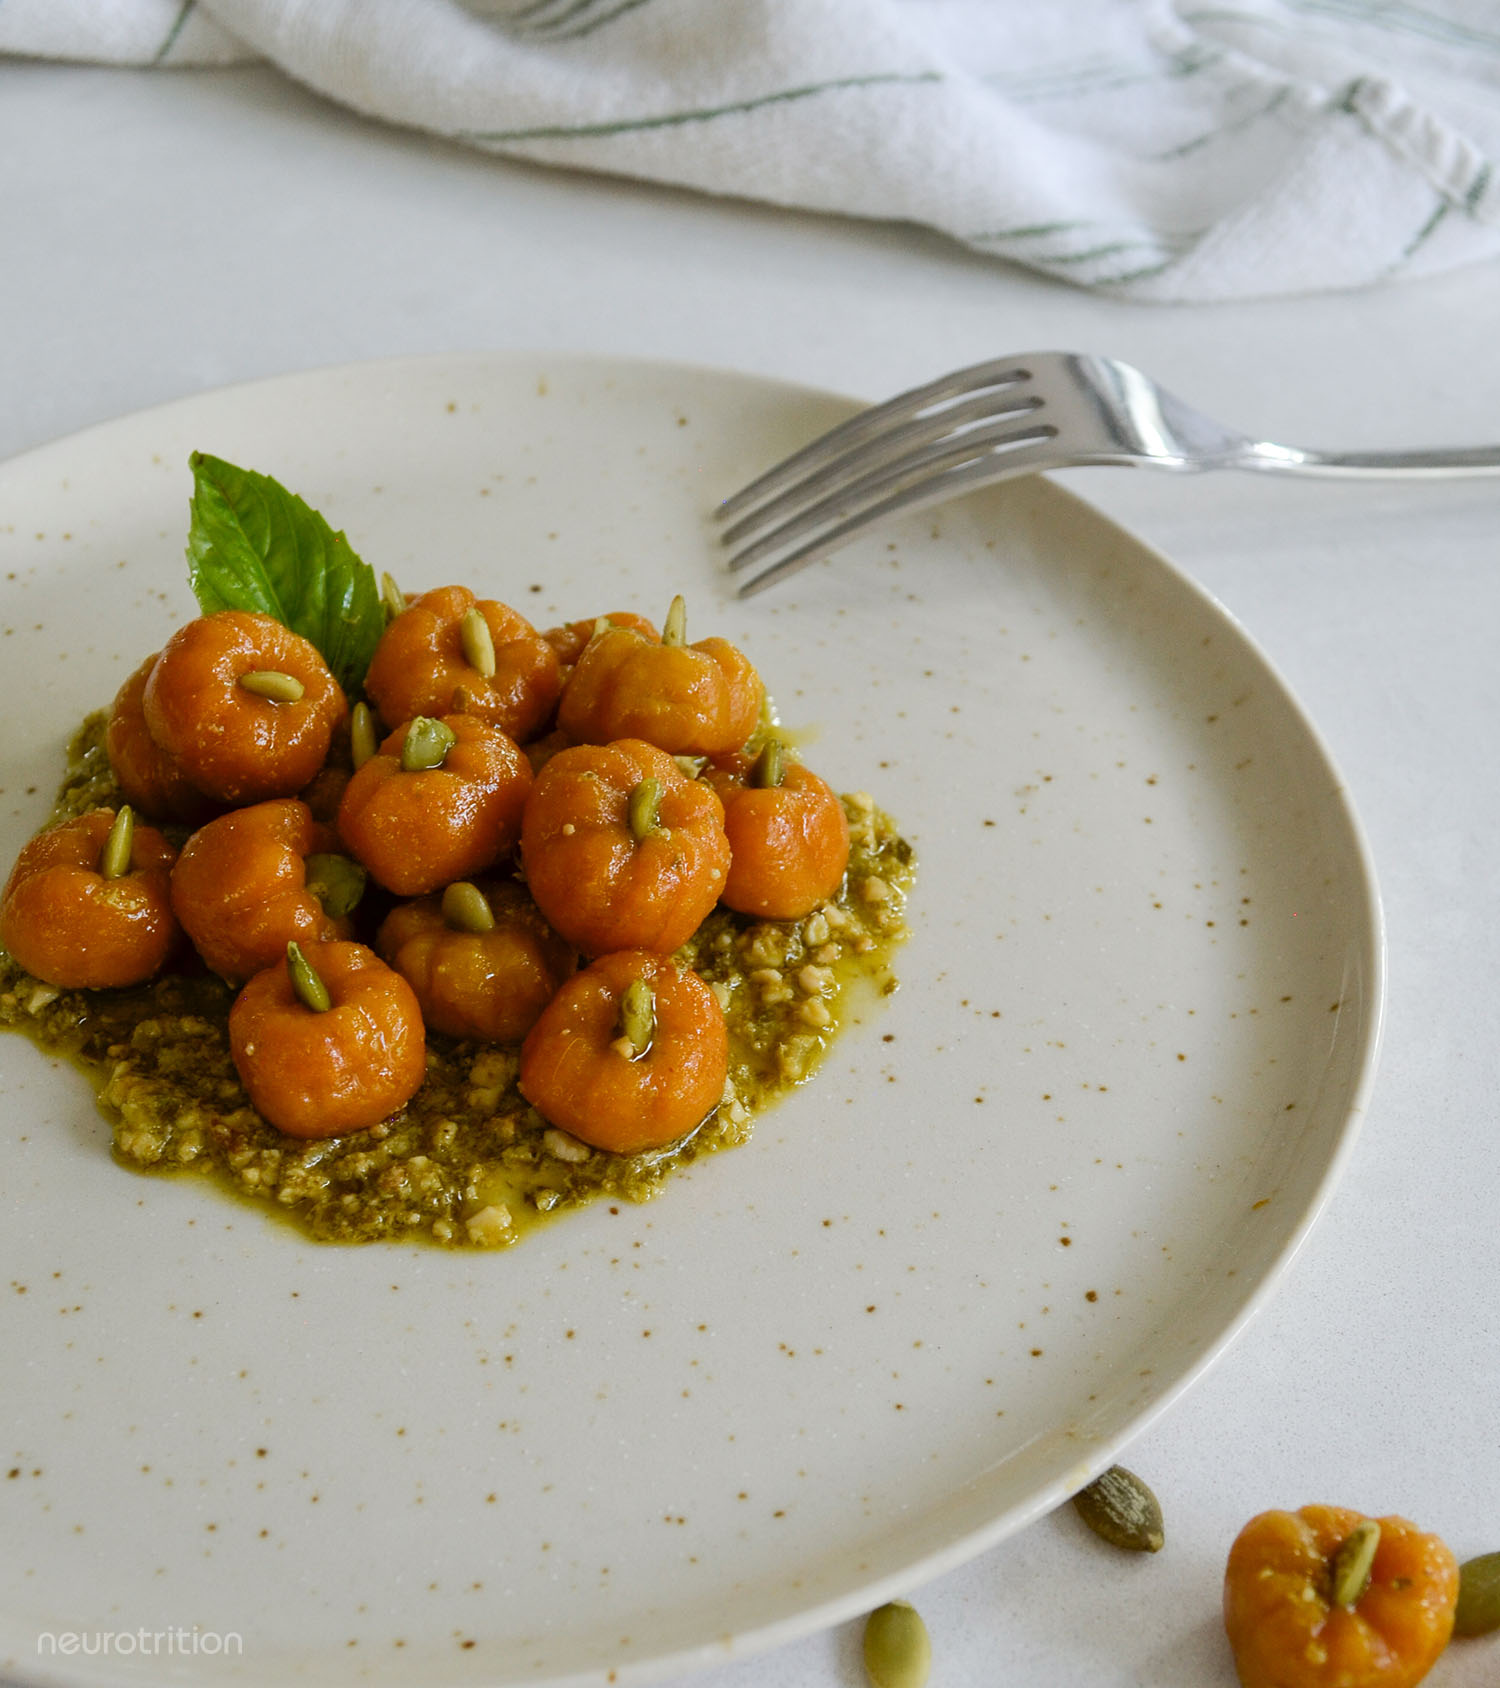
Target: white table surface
163	233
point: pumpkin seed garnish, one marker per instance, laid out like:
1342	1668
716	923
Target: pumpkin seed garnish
478	645
310	990
362	737
1478	1611
638	1015
275	687
1352	1562
427	742
769	768
338	882
644	810
674	628
114	859
1121	1508
392	597
466	908
898	1653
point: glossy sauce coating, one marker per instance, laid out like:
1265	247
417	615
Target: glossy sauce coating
240	889
601	886
788	843
575	1073
347	1068
420	667
234	745
69	926
418	831
572	638
491	985
695	700
151	780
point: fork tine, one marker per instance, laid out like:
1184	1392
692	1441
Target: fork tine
999	372
885	447
945	485
983	444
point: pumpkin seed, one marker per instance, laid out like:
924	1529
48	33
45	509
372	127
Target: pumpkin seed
1121	1508
644	813
1353	1561
427	742
1478	1596
392	597
466	909
478	645
362	737
638	1015
272	685
310	990
114	859
338	882
674	628
898	1653
769	768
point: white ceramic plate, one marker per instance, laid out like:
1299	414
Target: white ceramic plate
1022	1206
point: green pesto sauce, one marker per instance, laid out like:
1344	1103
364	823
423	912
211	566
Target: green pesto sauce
468	1162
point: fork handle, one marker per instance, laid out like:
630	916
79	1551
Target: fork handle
1272	459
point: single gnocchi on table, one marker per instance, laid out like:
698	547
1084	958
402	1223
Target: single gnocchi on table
418	921
1326	1597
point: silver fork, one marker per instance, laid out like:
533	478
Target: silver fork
1012	416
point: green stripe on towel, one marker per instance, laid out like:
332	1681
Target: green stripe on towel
589	25
672	119
171	37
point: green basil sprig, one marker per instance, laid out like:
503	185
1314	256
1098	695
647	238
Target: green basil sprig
252	545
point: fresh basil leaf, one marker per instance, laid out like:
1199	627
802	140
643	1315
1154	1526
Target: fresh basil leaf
252	545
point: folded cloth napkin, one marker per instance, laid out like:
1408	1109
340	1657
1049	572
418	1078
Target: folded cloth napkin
1155	149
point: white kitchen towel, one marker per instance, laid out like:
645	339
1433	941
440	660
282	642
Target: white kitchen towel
1156	149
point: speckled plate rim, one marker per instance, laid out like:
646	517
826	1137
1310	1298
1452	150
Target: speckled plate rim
1370	941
